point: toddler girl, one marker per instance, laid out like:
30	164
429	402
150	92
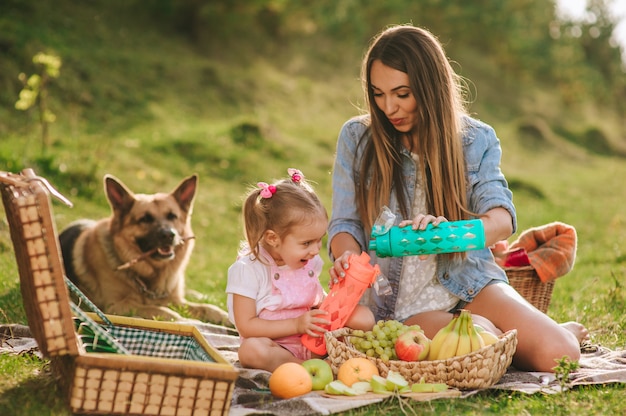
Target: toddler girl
273	287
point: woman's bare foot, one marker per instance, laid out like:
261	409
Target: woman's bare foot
580	332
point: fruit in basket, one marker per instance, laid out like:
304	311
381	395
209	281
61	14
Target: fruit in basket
477	340
464	345
290	380
488	337
356	369
438	340
457	338
380	341
320	371
412	345
445	342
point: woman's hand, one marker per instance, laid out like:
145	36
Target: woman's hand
338	270
308	323
420	221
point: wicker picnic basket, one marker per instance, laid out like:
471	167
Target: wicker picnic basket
526	281
479	369
156	368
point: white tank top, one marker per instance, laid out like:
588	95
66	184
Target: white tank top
419	289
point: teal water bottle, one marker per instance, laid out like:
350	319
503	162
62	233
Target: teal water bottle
447	237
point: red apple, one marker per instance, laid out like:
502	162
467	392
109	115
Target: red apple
413	345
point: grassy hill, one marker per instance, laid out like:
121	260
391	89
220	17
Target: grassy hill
151	103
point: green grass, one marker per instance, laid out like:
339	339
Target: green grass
156	115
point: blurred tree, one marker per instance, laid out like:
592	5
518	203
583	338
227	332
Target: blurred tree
586	62
35	92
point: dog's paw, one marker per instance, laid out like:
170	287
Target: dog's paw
209	313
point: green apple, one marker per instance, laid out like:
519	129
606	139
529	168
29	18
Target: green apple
395	381
423	387
338	387
320	371
362	387
379	384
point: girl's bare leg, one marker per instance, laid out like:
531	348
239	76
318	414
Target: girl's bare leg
430	322
264	354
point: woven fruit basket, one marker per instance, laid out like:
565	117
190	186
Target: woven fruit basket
479	369
526	281
159	368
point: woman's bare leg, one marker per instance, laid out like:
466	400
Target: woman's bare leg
431	322
580	332
362	318
541	341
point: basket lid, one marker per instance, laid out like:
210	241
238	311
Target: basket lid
26	199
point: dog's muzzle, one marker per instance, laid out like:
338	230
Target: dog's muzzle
160	243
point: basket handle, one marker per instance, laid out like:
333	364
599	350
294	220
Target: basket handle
28	175
84	299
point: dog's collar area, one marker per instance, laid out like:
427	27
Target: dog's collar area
143	289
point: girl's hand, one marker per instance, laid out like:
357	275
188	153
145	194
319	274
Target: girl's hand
338	270
308	323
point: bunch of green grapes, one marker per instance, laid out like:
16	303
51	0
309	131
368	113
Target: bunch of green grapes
380	341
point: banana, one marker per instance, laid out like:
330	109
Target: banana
465	342
451	342
488	338
439	339
477	341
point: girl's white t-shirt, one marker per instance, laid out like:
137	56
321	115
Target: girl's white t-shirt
251	278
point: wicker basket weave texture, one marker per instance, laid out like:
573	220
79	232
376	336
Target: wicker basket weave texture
41	279
114	389
98	383
526	281
479	369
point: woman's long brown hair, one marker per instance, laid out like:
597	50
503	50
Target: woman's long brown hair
436	139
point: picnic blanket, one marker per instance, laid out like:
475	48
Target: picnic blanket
251	395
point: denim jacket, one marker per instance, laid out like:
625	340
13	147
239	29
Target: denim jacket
487	189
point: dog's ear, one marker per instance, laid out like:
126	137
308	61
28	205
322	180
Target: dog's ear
120	197
185	193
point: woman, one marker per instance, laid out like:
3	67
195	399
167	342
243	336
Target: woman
420	154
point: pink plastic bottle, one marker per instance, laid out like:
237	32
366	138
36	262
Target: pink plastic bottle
343	298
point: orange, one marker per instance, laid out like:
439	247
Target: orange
356	369
290	380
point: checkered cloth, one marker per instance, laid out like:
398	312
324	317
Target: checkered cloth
136	341
159	344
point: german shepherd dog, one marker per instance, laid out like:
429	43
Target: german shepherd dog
133	263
